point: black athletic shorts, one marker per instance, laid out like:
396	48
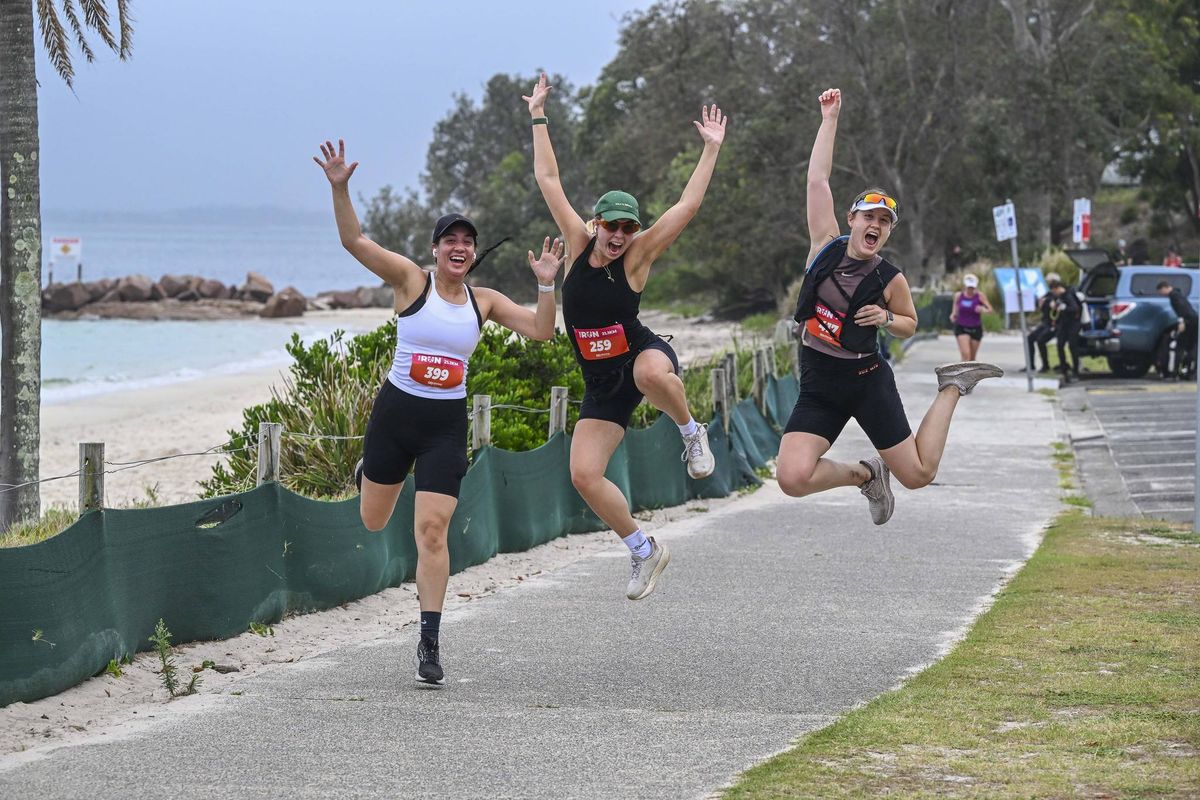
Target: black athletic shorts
975	333
832	390
404	428
613	395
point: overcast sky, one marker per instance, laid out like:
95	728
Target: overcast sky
224	103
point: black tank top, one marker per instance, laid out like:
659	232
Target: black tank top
600	311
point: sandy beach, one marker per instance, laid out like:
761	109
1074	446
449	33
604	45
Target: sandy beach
195	416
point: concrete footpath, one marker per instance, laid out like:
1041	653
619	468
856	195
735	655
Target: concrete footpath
775	616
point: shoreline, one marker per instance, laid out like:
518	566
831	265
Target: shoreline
141	422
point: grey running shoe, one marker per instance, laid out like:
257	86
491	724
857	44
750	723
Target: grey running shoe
965	374
645	571
429	663
878	490
697	454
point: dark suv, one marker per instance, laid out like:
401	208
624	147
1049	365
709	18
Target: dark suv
1130	320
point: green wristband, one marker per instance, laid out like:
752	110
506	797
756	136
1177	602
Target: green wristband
538	121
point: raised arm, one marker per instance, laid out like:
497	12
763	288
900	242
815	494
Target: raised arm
651	243
822	218
395	269
537	324
545	170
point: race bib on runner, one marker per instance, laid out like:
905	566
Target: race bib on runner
826	325
597	344
440	372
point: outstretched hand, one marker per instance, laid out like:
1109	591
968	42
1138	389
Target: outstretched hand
831	103
537	98
334	164
546	267
712	125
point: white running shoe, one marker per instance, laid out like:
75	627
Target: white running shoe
965	374
697	454
645	571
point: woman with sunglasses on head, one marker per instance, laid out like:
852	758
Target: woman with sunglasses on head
622	360
849	292
420	413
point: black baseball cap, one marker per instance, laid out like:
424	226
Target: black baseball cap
444	223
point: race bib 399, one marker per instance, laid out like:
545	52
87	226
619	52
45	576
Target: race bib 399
440	372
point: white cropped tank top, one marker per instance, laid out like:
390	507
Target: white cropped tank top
434	341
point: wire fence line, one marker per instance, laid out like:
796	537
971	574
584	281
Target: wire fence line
227	448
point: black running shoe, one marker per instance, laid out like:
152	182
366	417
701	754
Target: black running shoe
358	470
429	664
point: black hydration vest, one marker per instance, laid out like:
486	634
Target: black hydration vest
854	337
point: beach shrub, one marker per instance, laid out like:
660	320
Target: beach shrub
325	402
328	393
516	371
1054	259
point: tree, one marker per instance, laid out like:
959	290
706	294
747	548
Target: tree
1164	148
20	224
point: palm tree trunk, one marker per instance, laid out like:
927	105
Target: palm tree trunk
20	266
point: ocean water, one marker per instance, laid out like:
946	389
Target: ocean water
300	250
86	357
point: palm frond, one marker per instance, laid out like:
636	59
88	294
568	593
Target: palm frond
96	16
77	28
126	25
54	37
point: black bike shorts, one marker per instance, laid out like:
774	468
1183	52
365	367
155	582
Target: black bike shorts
975	333
404	428
613	395
832	390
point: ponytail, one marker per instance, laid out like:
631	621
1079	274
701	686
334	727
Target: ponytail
479	258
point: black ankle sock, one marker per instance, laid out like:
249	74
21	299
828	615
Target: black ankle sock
431	621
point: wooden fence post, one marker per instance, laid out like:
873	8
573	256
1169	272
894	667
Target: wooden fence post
794	357
760	378
91	476
731	381
558	410
481	421
270	436
771	369
720	397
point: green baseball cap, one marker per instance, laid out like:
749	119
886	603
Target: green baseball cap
616	205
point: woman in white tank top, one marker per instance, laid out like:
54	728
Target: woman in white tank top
420	413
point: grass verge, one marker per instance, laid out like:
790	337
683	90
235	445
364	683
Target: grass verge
1082	680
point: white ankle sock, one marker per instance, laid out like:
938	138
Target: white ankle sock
638	544
689	428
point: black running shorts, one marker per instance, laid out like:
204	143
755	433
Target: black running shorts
832	390
975	333
404	428
612	396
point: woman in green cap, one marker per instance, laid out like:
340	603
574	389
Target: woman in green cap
622	360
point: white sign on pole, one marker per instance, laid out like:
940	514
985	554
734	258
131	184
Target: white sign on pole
66	250
1005	217
1081	230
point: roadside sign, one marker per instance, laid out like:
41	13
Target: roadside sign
1033	286
66	250
1081	231
1005	217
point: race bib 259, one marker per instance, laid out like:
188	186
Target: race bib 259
596	344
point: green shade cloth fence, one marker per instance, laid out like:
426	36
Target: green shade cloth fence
94	592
